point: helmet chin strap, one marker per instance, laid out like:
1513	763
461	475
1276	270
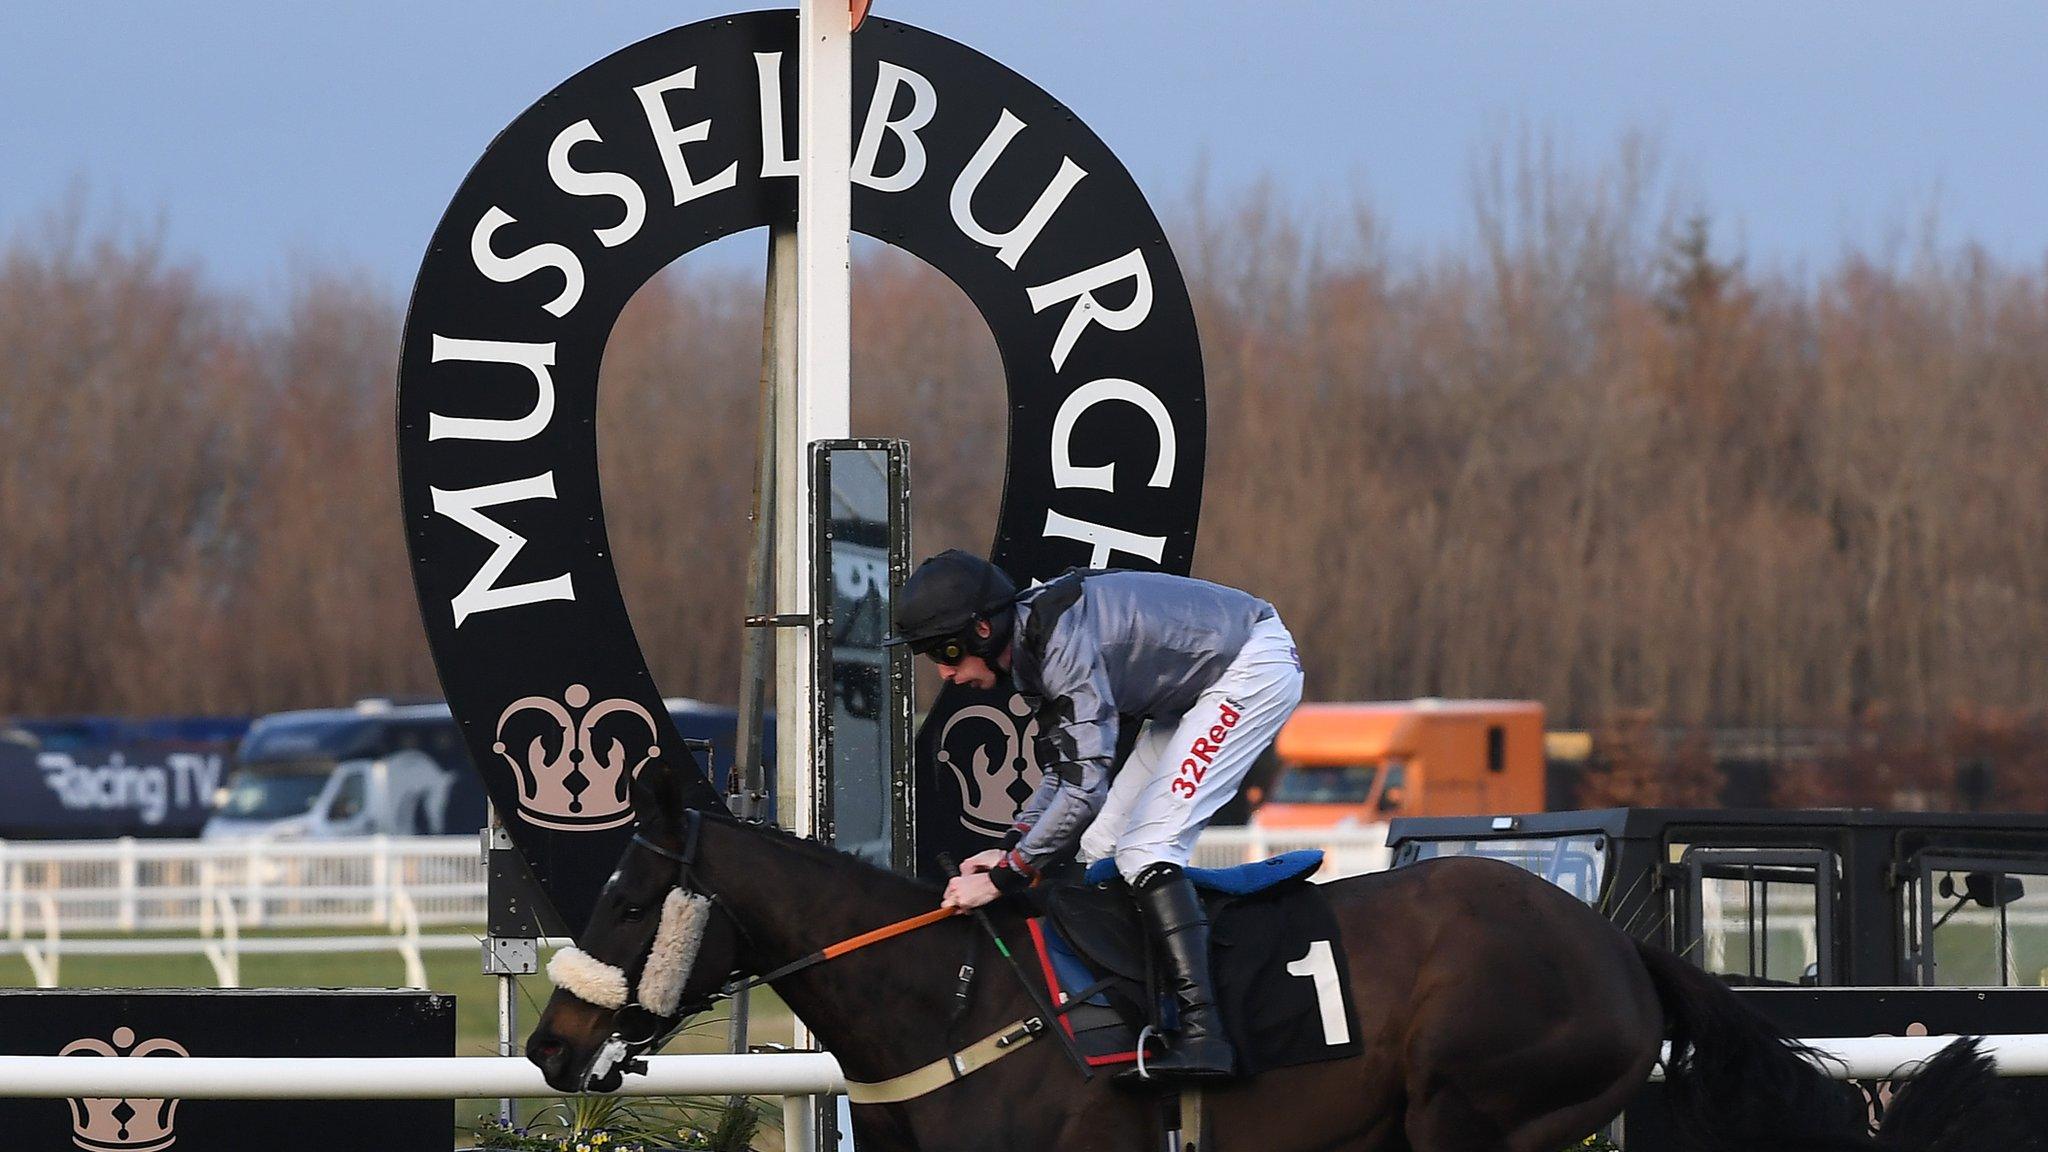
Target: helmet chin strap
1000	625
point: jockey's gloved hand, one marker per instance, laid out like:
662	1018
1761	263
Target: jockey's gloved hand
1008	880
981	861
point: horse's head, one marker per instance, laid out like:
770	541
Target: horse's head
656	951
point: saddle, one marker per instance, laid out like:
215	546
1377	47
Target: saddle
1266	922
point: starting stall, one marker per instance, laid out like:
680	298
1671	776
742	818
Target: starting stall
1832	923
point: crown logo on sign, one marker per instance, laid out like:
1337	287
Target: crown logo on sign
575	771
122	1123
990	781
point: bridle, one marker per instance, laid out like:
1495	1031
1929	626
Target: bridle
648	1015
638	1026
605	986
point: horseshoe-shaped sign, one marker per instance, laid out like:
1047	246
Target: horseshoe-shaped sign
665	146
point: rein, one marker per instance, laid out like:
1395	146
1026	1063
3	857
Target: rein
946	1069
686	862
621	1050
850	944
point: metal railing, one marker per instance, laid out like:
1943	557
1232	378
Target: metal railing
110	897
1347	851
186	885
124	886
114	897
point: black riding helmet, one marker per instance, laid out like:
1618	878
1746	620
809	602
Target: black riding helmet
936	611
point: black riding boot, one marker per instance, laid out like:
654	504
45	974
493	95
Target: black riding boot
1173	914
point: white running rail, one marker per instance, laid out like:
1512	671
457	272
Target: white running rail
767	1074
402	1078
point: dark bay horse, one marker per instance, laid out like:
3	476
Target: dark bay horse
1499	1015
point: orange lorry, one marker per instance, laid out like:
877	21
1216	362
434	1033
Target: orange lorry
1358	764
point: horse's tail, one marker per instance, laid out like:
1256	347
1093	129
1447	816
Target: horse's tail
1955	1102
1737	1082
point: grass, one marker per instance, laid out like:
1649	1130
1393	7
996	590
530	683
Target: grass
456	973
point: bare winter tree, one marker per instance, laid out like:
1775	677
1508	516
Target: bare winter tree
1595	458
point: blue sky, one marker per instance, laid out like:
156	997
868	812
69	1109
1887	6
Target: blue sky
262	133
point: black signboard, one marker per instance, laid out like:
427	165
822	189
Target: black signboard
169	1024
656	150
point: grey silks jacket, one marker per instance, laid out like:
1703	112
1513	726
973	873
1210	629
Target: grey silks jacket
1092	648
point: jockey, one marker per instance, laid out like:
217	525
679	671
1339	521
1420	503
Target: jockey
1208	671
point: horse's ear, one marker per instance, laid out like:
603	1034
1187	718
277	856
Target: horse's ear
657	795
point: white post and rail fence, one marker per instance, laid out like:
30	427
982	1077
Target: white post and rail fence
171	897
162	897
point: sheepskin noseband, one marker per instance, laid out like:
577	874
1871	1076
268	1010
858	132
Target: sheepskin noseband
676	944
587	978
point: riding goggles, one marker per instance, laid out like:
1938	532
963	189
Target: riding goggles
947	650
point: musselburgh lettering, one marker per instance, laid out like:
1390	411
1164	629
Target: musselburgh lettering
691	136
678	118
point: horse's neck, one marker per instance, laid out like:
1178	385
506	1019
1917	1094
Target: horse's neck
877	1008
796	897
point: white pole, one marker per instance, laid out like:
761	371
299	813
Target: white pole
127	869
819	407
398	1078
824	216
17	912
824	220
799	1123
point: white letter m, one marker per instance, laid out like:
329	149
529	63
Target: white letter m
482	594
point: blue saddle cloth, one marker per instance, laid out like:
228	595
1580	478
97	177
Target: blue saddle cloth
1239	880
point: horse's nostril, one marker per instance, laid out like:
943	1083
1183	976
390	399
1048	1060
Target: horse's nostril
549	1049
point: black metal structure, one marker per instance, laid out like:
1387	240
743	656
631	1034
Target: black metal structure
1834	922
1873	895
860	527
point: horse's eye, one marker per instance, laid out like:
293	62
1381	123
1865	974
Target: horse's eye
633	912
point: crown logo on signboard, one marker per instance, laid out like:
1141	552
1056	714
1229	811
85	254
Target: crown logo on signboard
123	1123
575	771
993	781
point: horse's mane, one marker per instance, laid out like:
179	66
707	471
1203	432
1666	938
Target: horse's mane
814	851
